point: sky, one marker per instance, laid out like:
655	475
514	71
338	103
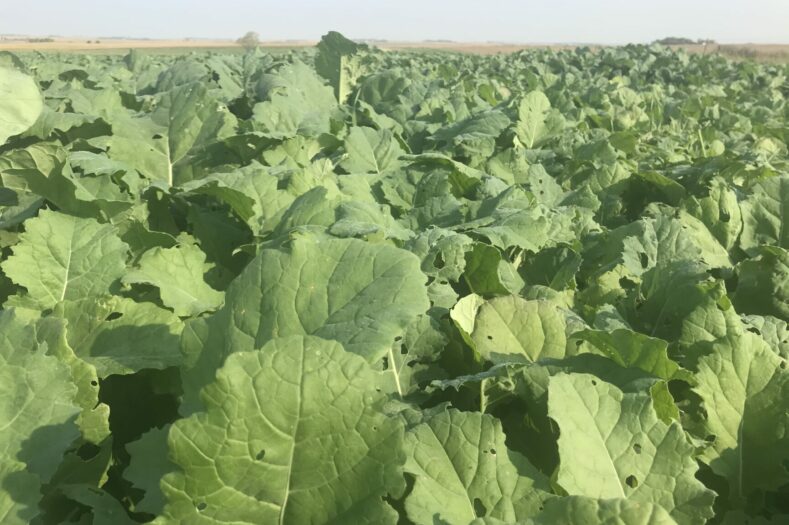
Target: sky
516	21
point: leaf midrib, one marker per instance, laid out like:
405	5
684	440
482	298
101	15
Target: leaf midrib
299	402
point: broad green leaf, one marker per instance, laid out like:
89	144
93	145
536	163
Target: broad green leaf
20	102
744	387
121	336
295	102
488	273
362	295
252	192
443	252
37	413
765	214
410	362
474	137
464	315
775	332
105	508
612	445
536	227
574	510
720	212
337	62
668	295
707	314
360	219
463	469
763	284
187	120
60	257
292	433
178	274
149	463
370	151
93	420
536	123
632	349
511	328
44	169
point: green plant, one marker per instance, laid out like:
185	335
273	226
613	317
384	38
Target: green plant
352	286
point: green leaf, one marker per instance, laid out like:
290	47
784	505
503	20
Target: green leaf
632	349
535	121
410	362
149	463
612	445
720	212
765	214
360	294
37	414
474	137
296	101
463	469
744	387
121	336
160	145
20	103
572	510
488	273
763	284
511	328
93	421
370	151
775	332
252	192
105	508
292	433
178	273
336	61
60	257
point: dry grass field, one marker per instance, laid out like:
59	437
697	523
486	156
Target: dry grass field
762	52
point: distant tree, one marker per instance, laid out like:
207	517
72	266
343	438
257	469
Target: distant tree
675	41
249	41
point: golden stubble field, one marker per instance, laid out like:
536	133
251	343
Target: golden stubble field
766	52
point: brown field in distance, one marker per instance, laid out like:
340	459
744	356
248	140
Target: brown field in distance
765	52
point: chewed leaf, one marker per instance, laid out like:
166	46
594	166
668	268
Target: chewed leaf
178	273
292	433
613	445
61	257
37	414
362	295
462	464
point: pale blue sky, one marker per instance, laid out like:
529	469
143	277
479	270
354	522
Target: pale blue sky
601	21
